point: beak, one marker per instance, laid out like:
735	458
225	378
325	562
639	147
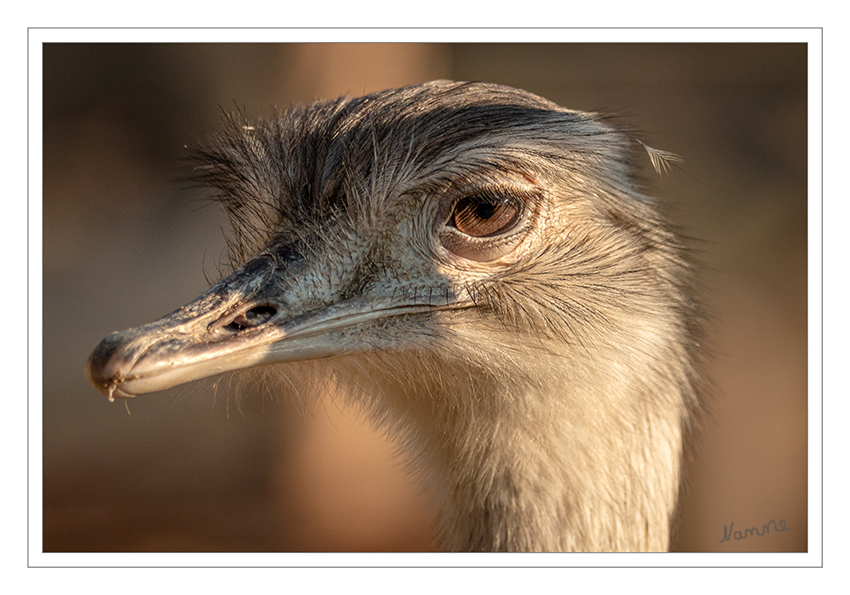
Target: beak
243	321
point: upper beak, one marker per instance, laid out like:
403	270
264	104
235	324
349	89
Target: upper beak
242	321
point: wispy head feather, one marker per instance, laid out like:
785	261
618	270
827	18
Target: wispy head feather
661	160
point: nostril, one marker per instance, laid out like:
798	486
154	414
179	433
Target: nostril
251	318
260	314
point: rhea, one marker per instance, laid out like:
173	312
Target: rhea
479	268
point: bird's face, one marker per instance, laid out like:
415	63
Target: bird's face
378	285
416	244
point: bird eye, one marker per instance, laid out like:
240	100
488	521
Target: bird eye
485	215
488	223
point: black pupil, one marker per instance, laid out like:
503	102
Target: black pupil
485	210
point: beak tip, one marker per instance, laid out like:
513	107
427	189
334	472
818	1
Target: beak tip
102	367
94	377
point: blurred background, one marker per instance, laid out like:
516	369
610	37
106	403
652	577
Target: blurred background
125	242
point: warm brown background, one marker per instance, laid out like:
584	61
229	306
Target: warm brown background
124	243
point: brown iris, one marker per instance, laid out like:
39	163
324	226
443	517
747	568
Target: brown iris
485	215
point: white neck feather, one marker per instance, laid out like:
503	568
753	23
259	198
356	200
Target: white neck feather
577	461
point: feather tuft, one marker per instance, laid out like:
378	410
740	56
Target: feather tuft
661	160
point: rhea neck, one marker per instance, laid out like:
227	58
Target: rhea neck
539	465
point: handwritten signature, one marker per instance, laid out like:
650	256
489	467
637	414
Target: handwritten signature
729	533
